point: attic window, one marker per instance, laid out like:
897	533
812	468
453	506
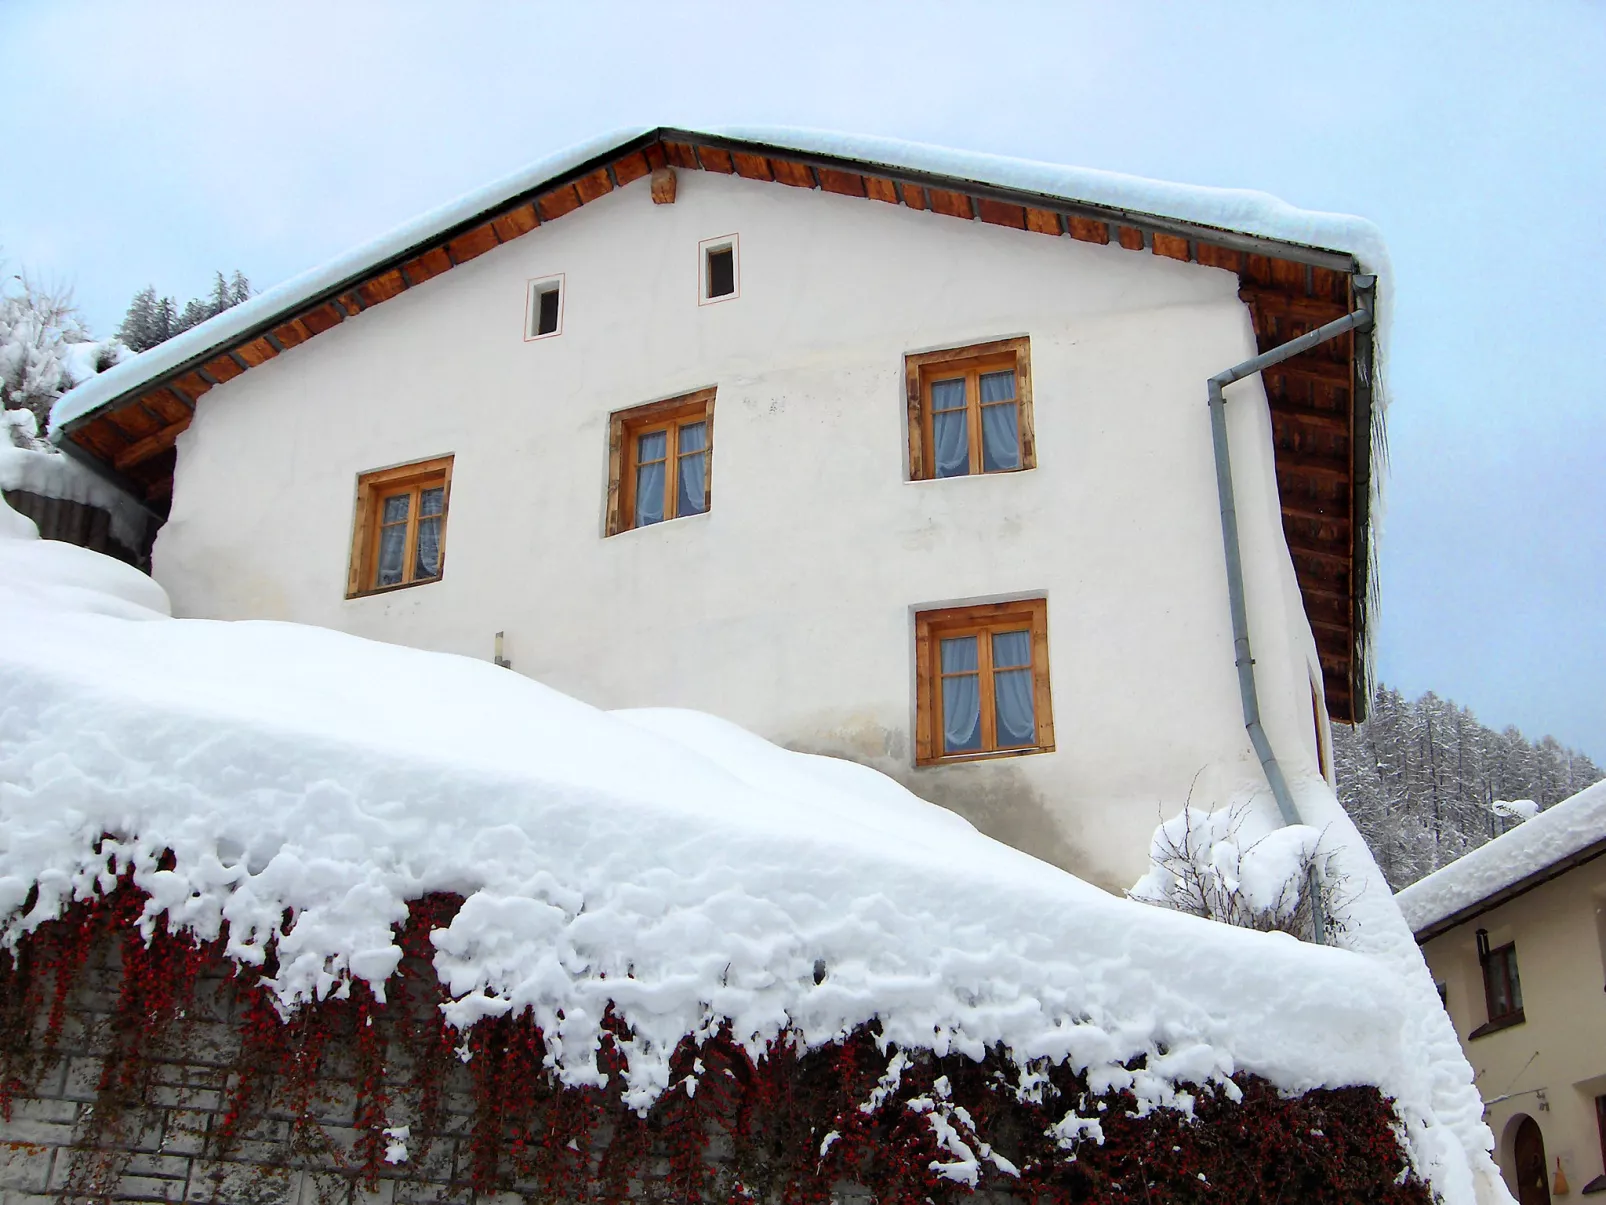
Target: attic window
970	410
720	269
544	311
399	533
981	682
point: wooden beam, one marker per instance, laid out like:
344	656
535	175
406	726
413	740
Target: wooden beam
1271	301
1303	463
1335	421
151	445
1336	372
1301	510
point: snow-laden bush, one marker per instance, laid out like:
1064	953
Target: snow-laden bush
44	348
1208	864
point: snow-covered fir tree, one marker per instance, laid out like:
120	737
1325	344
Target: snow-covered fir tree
1421	780
152	319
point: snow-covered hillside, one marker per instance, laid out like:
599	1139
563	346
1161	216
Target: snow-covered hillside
666	861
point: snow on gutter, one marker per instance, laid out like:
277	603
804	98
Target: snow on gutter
1237	211
1536	851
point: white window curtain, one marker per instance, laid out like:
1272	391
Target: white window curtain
428	560
961	696
693	484
651	449
950	430
1000	422
393	539
1013	712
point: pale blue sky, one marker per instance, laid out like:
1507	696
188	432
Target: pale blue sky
152	143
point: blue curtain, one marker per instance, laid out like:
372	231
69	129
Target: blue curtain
692	497
651	449
961	696
1000	423
950	432
1013	711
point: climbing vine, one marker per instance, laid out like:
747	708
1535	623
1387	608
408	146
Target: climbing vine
784	1126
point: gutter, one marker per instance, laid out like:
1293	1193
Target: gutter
1360	319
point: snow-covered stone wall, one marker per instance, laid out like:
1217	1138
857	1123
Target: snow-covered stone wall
789	606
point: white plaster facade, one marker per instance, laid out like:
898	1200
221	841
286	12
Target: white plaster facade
789	607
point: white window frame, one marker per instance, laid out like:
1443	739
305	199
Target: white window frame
719	243
532	311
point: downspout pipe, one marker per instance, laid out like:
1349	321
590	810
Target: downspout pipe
1250	698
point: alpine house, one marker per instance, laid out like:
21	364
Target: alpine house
1043	492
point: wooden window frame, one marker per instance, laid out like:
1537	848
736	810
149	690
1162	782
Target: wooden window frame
532	312
704	249
625	427
372	487
921	369
1487	959
933	626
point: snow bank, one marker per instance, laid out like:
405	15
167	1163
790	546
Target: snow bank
28	463
1559	831
1239	210
665	861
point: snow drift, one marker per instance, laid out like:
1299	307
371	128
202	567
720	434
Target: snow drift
308	784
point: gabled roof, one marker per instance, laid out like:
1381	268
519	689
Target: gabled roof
1563	836
1294	268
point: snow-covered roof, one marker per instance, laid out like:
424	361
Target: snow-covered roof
1536	850
1234	210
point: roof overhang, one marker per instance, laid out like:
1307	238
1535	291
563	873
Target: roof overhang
1510	892
127	421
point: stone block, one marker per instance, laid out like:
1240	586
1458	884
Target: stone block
148	1188
163	1167
243	1184
25	1166
40	1108
185	1132
83	1078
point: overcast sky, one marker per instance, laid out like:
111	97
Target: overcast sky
153	143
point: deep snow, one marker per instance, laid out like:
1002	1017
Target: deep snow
666	861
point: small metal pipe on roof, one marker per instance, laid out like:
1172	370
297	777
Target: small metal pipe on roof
1248	695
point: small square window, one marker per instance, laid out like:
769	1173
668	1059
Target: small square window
981	681
659	457
719	270
543	311
970	410
399	533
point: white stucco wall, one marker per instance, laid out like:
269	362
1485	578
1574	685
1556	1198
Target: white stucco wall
789	607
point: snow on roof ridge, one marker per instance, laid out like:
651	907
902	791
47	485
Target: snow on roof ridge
1558	832
1241	210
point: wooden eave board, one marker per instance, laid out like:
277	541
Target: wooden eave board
1320	402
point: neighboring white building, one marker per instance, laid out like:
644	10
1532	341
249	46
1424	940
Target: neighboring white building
916	411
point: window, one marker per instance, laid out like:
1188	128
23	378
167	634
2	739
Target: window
981	682
720	278
658	461
543	315
399	536
1502	990
970	410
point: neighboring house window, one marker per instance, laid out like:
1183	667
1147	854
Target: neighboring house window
659	458
720	270
981	677
399	535
1502	990
544	311
970	410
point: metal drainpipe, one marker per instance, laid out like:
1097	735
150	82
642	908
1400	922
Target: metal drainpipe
1245	661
